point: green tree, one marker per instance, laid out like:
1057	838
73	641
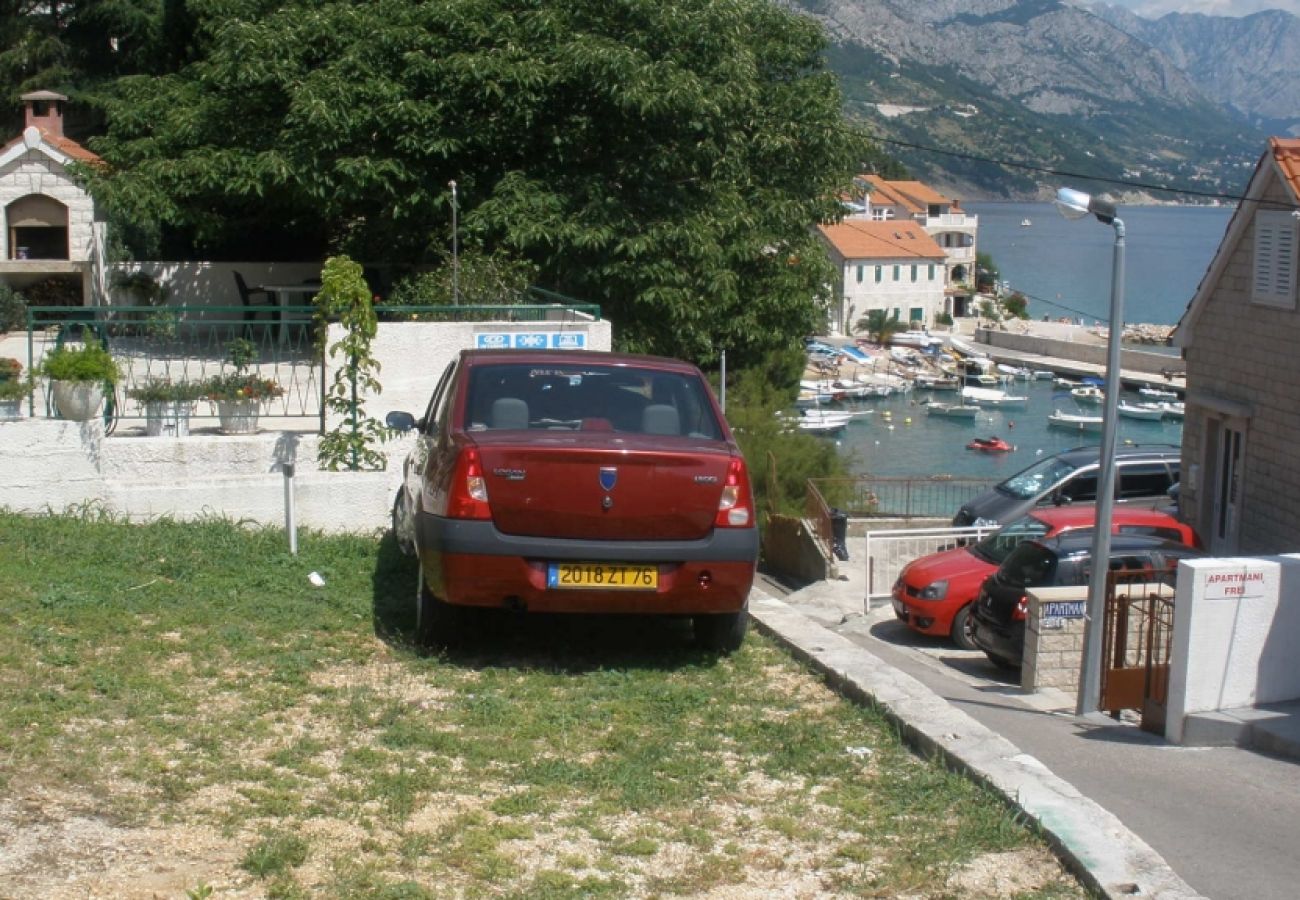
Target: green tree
880	326
986	273
662	159
1016	304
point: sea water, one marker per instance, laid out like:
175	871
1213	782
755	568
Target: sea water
1064	267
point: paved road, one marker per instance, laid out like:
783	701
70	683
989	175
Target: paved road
1223	818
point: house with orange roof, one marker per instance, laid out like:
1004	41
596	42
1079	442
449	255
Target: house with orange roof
891	265
50	226
1241	427
942	217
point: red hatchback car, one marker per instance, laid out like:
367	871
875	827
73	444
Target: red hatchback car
573	481
933	594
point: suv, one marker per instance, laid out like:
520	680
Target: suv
575	481
933	594
1143	475
1066	560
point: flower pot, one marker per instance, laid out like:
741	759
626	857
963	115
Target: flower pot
11	409
166	418
79	401
238	416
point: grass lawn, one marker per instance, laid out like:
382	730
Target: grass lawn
183	714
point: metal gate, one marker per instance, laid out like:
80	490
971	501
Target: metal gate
1137	642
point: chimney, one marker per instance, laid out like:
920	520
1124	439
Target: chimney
45	112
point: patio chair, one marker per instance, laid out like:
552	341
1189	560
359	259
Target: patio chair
253	308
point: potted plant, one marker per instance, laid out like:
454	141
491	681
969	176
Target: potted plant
238	394
13	391
10	368
167	405
78	376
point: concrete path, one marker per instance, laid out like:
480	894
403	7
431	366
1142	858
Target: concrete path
1130	813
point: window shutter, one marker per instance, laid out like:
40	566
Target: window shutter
1275	259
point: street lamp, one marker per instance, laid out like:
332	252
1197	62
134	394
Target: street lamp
1075	205
455	248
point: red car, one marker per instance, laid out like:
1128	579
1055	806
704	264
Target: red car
933	594
573	481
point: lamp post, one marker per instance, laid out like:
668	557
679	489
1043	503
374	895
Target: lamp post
455	248
1075	205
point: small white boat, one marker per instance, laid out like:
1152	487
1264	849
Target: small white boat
1020	373
952	410
1172	409
808	427
1151	412
1074	422
1044	374
1158	394
993	397
1088	394
936	382
1025	223
1066	383
919	339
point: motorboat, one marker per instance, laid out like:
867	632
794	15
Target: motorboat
813	427
1158	394
952	410
993	397
1020	373
1044	374
990	445
927	382
1173	409
1151	412
1025	223
1089	394
919	339
1074	422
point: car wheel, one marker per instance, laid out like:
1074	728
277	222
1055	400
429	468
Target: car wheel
963	629
403	524
435	620
722	632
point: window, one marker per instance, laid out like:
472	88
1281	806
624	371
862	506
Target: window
860	268
1082	488
914	273
897	272
879	271
916	314
1274	280
1140	480
932	271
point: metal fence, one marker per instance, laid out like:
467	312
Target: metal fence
185	344
889	551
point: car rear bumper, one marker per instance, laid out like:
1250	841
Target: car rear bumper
996	640
471	563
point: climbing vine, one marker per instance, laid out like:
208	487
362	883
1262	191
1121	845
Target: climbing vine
345	298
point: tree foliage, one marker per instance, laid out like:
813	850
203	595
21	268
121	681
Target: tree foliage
880	326
666	160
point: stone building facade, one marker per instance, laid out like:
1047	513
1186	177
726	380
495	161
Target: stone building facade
1239	337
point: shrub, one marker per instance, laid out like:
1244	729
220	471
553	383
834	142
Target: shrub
15	388
163	390
89	362
13	309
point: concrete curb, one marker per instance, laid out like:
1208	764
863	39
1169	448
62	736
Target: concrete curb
1089	840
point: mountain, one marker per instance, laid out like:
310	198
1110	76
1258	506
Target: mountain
1040	82
1251	63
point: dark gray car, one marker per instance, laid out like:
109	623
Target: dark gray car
1144	474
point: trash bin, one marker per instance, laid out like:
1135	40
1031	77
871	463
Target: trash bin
839	531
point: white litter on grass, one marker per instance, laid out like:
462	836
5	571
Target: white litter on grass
316	579
859	751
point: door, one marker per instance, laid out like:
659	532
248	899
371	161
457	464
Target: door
1227	442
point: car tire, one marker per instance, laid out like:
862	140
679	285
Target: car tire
403	525
963	629
436	620
721	632
1002	662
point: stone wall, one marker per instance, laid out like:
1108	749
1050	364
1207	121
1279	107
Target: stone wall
35	173
1053	647
1086	352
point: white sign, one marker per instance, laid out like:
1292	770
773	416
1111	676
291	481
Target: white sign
1245	584
531	340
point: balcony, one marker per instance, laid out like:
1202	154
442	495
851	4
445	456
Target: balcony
953	220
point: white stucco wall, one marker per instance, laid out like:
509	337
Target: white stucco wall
903	294
34	172
208	283
1236	627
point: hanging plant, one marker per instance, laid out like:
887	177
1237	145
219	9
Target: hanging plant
345	298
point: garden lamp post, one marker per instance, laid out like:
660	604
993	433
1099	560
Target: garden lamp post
1075	205
455	248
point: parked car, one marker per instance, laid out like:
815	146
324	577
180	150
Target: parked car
933	594
1143	475
1000	612
574	481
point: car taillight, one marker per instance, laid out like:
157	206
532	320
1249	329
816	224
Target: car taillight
1021	612
468	496
736	506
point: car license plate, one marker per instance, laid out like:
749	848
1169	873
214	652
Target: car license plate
603	576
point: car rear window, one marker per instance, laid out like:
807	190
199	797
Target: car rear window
1029	565
589	397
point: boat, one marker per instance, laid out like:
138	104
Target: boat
816	427
1151	412
1173	409
1044	374
1025	223
992	397
952	410
936	382
990	445
1074	422
1089	394
919	339
1020	373
1158	394
1063	382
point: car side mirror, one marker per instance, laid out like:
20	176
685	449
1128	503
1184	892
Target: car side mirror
400	420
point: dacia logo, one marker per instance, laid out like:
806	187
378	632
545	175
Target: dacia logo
509	474
608	478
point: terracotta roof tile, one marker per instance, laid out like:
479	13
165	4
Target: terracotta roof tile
921	193
64	145
897	239
884	194
1286	152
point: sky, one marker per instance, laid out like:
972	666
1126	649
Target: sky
1156	8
